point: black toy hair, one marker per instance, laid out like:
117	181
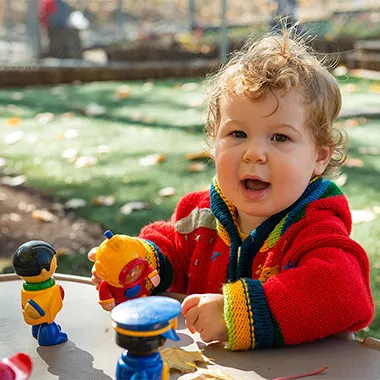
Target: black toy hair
33	256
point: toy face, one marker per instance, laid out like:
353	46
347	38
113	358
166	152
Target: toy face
134	274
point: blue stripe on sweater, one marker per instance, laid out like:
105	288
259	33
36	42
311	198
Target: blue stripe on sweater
264	329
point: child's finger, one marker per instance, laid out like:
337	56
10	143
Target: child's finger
92	254
189	302
191	318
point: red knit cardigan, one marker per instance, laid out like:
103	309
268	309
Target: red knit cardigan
313	282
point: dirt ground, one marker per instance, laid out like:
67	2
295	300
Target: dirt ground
26	214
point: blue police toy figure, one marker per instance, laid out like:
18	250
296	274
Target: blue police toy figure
142	325
41	298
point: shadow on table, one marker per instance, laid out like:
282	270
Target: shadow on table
69	362
344	359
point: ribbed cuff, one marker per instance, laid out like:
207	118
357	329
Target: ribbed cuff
238	316
159	261
247	315
263	320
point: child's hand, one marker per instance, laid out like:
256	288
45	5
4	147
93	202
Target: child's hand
205	313
94	277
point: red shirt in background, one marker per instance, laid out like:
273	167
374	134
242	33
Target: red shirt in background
47	8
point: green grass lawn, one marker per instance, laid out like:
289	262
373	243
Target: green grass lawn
161	117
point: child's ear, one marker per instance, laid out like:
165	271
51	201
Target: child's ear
323	158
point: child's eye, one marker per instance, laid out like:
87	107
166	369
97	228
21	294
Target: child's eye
239	134
278	137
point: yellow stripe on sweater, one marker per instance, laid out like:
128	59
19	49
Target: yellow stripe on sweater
238	316
151	254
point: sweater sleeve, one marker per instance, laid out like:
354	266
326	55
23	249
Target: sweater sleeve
169	251
326	290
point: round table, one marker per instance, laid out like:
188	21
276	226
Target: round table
91	352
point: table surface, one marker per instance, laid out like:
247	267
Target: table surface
91	352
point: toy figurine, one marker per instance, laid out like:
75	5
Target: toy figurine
120	262
16	367
41	298
142	326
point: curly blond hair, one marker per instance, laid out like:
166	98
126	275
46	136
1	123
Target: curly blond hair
281	62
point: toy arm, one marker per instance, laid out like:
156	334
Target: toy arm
62	291
153	277
33	310
106	299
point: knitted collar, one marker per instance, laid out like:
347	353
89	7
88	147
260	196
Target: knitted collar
39	286
269	232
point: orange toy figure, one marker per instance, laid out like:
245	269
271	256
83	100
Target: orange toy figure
120	262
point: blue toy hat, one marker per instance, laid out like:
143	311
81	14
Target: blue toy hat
147	316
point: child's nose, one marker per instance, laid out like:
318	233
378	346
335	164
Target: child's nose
255	154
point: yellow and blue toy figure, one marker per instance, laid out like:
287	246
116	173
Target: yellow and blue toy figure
41	298
142	325
120	262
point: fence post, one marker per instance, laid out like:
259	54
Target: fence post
224	32
33	28
120	18
192	15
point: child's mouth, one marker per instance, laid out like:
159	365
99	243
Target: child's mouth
255	184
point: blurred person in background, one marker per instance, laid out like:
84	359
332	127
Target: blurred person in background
282	10
64	38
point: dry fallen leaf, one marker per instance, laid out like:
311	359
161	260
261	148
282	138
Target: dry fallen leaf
12	217
188	87
71	154
152	159
85	162
375	88
68	115
93	109
196	167
198	156
167	191
102	149
18	96
12	121
350	88
354	163
75	203
13	181
147	119
183	361
351	123
104	200
71	134
44	117
123	92
43	216
205	374
148	86
13	137
129	207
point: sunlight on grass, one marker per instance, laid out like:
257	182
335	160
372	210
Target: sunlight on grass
162	117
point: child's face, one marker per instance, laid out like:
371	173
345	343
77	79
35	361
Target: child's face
264	160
